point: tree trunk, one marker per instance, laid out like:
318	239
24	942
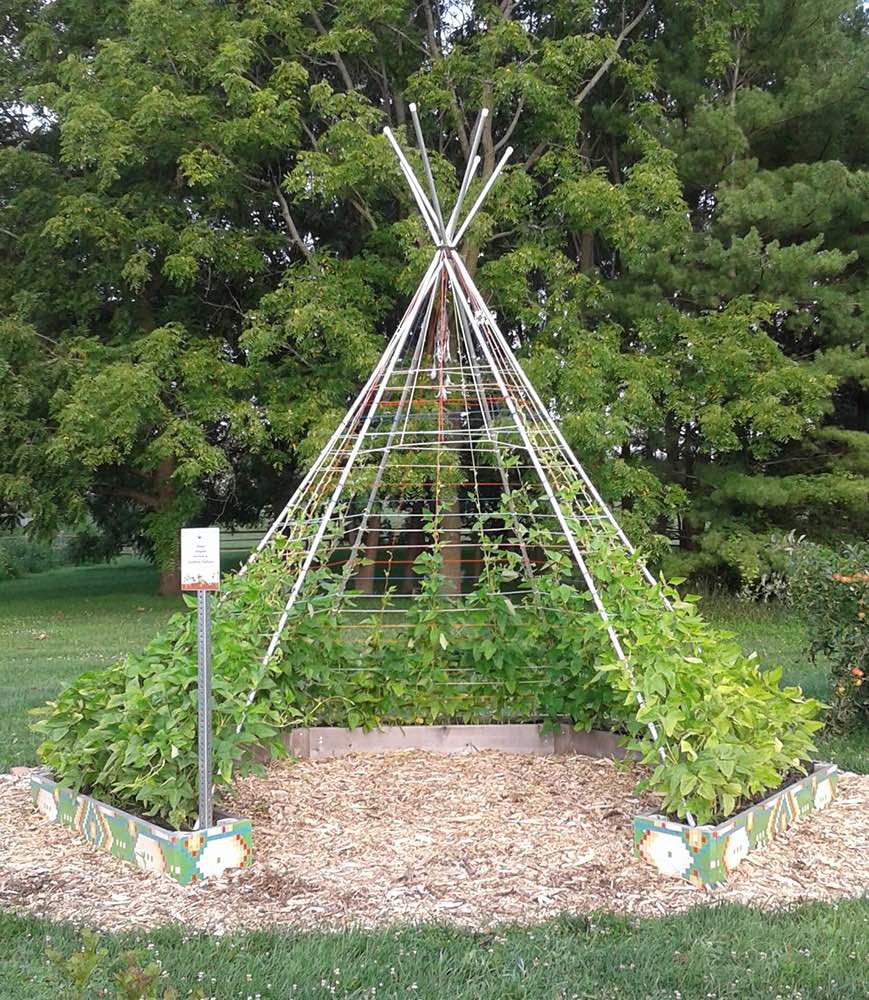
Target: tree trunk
451	535
168	553
365	573
471	255
586	252
170	582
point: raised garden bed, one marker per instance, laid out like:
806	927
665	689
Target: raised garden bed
186	856
702	855
708	855
322	742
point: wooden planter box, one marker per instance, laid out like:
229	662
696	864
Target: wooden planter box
708	855
322	742
185	856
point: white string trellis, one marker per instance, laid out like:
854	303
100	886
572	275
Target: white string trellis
441	450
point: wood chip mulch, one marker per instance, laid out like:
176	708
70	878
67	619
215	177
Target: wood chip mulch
406	836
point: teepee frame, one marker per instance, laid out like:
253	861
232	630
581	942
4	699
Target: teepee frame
500	404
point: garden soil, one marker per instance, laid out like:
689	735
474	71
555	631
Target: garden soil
407	836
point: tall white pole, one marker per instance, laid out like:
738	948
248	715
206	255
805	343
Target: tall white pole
425	208
519	423
345	474
532	392
388	352
508	152
470	170
426	166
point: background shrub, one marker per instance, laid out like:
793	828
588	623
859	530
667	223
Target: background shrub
20	555
91	544
831	590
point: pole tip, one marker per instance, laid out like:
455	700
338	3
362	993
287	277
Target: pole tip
484	112
412	107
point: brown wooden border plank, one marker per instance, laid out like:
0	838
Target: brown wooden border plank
323	742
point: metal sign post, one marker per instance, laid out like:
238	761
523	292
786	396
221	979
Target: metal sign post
203	677
200	571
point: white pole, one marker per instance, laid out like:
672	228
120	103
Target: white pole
378	478
416	190
529	388
535	461
345	474
508	152
550	494
470	170
280	520
426	166
461	197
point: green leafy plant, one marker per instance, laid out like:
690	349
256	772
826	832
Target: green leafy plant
831	589
127	733
137	977
135	974
715	729
727	730
78	968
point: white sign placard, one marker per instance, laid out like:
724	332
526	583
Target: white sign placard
200	558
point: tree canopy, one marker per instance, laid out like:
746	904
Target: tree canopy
204	240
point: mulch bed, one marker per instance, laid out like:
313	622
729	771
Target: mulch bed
409	836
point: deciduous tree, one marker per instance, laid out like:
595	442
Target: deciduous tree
205	239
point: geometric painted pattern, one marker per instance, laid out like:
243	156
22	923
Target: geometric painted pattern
708	855
186	857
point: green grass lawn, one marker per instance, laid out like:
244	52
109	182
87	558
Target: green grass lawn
775	633
812	952
779	636
58	623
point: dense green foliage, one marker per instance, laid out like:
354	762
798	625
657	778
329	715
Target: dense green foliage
64	621
127	732
204	239
817	950
20	555
832	589
727	730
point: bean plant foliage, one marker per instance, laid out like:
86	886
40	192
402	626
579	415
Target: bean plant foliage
729	731
127	733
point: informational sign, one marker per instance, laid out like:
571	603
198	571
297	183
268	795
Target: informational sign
200	571
200	558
